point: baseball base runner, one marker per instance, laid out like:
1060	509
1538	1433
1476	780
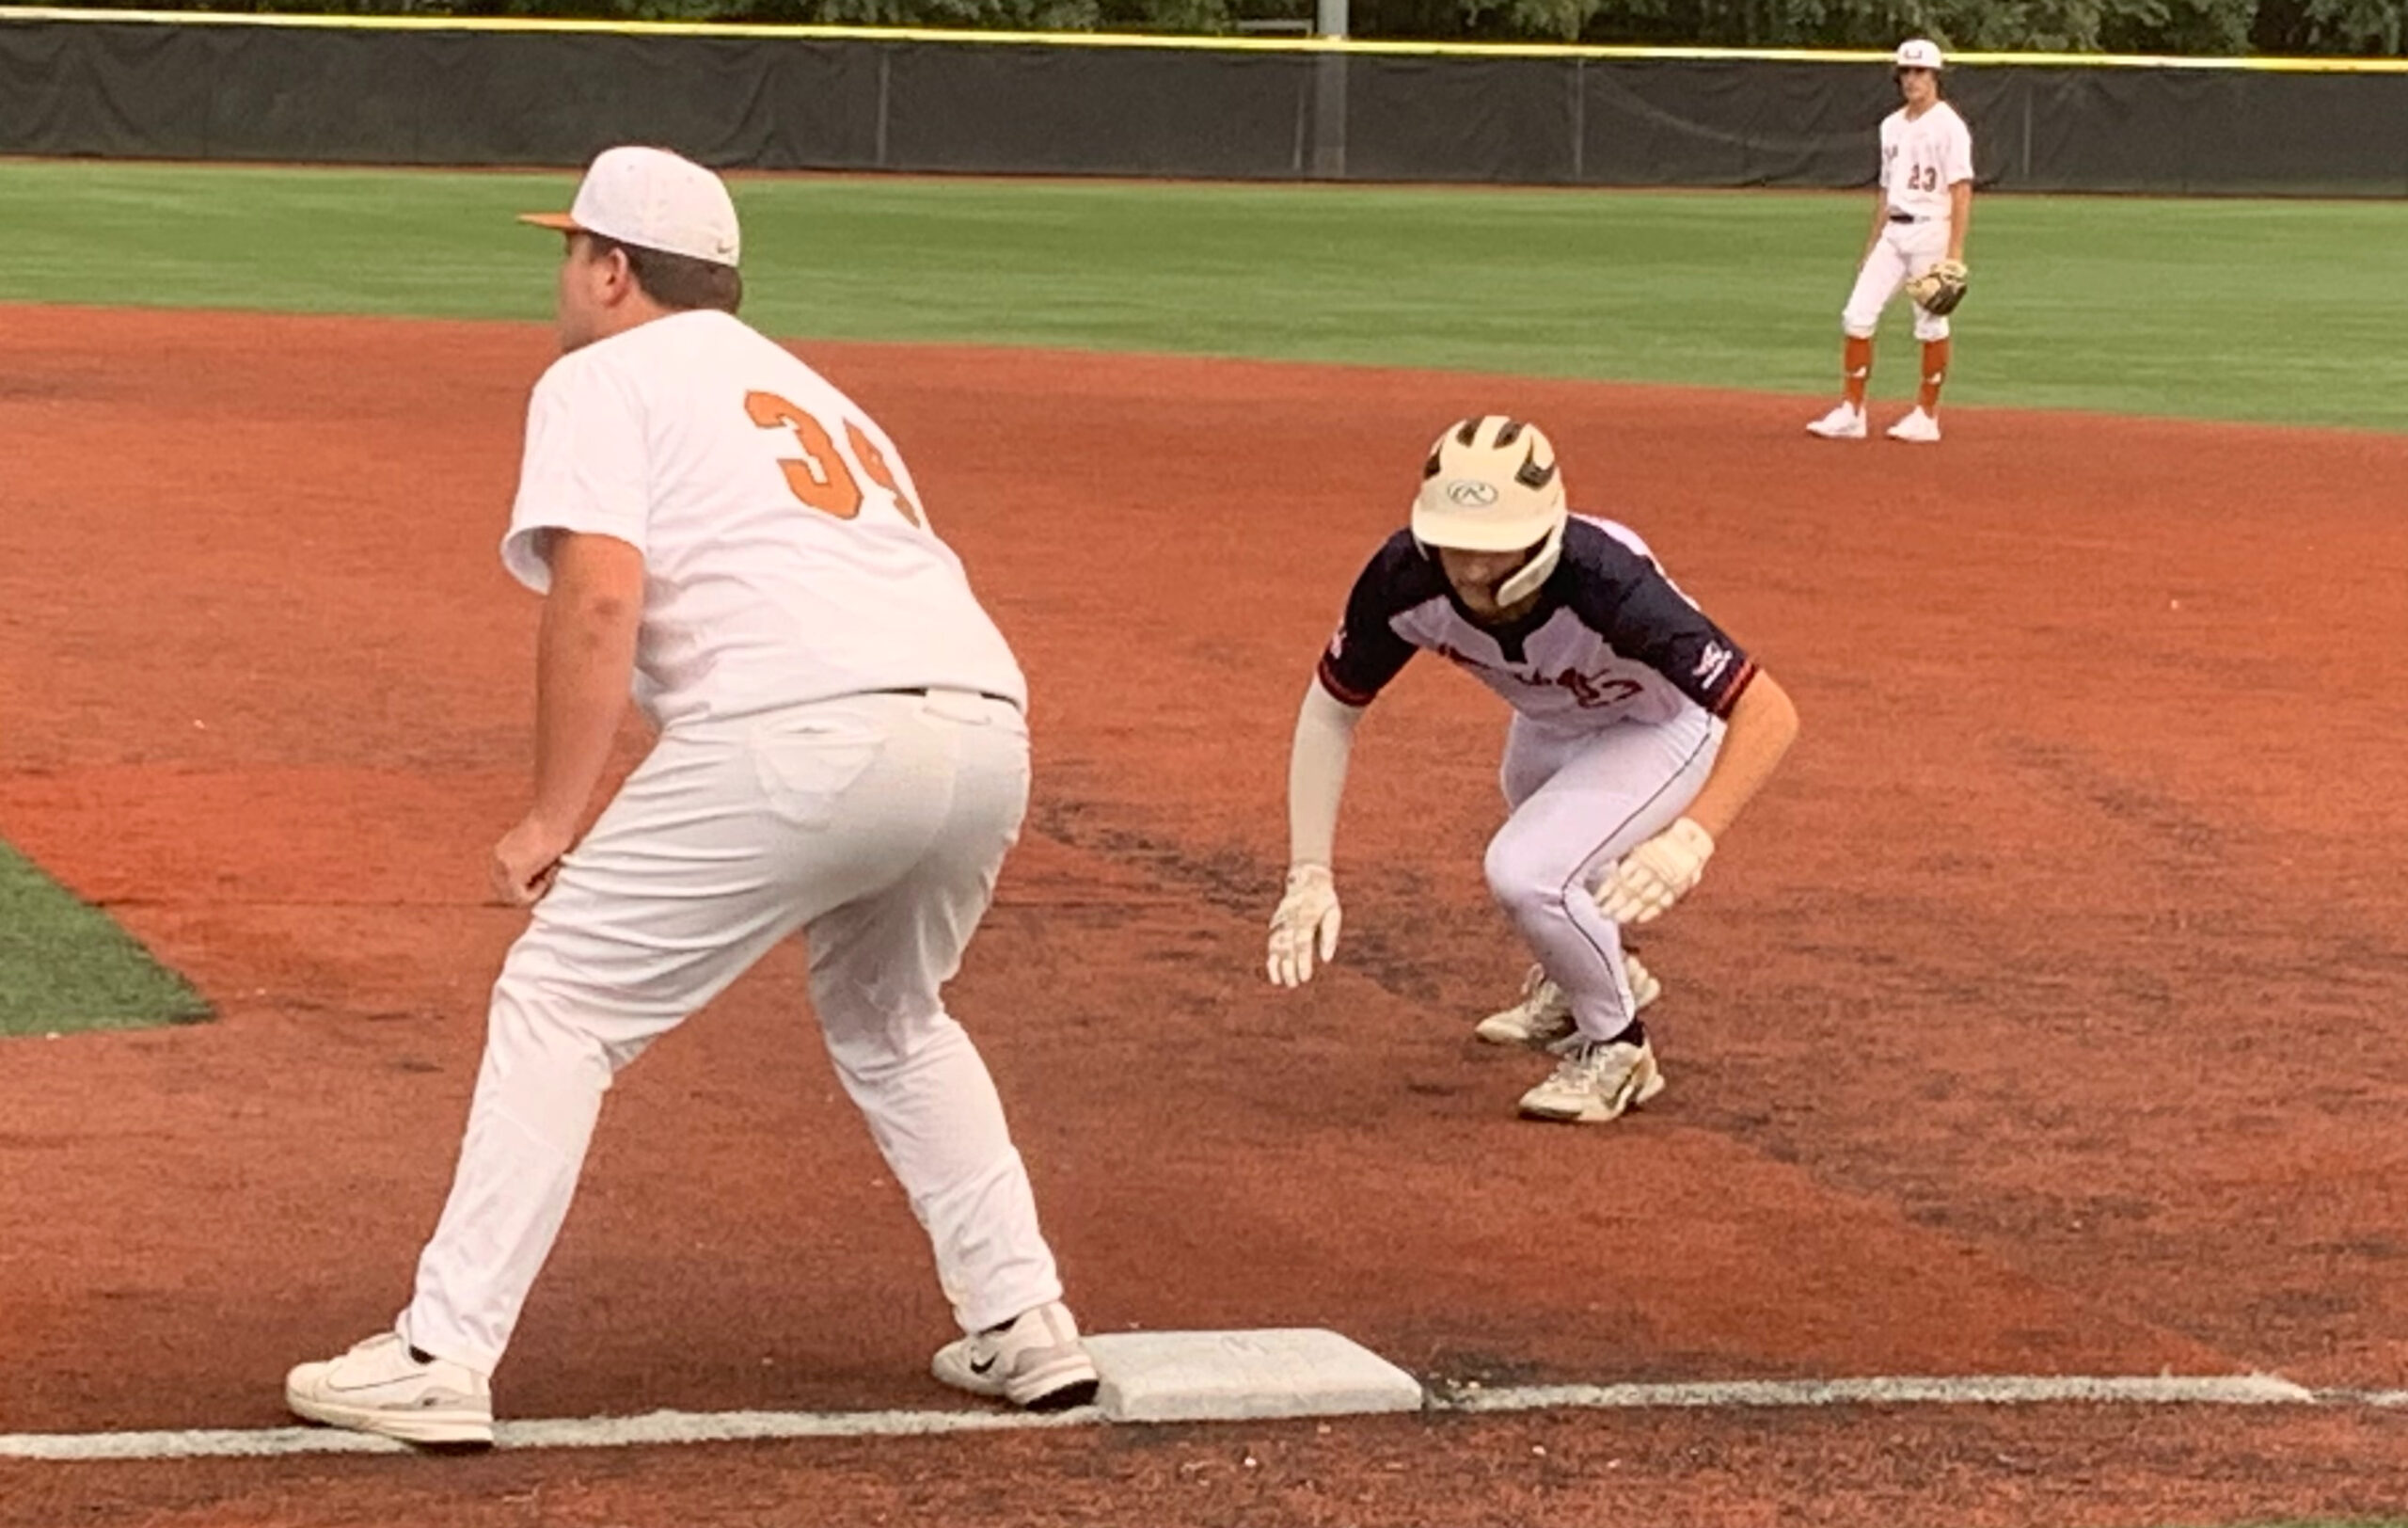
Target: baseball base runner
1640	731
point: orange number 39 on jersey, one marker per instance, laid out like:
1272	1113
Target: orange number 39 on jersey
820	477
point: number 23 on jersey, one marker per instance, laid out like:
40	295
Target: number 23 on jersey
1919	176
820	477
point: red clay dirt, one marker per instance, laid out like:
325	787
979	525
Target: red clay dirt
2038	1019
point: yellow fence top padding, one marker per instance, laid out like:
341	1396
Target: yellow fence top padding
1159	41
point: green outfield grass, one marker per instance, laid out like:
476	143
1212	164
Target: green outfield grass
64	965
2289	311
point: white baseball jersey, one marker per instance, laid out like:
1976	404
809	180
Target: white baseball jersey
789	580
787	559
1610	638
1921	157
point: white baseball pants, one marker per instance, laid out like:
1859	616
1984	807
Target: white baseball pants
1903	251
1580	801
876	824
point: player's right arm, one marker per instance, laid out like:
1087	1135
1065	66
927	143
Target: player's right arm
1304	925
585	653
1880	194
1361	659
578	533
1880	220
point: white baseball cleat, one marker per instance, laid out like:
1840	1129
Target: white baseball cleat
1918	428
1035	1360
1595	1081
1542	1018
379	1388
1845	421
1538	1019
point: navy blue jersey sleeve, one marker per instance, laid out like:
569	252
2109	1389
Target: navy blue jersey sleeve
1628	601
1365	653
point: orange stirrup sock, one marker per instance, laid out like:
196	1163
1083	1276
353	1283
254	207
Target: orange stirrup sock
1935	371
1856	365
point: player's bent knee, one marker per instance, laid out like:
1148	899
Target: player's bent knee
524	1034
561	1024
1525	885
1929	328
1509	878
1856	328
875	1049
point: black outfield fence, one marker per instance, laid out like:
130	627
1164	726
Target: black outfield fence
456	93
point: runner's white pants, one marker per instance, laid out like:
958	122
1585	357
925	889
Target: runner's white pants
1903	251
877	825
1580	801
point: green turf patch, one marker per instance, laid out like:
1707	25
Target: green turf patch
65	965
2284	312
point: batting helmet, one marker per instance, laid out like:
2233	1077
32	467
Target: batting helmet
1491	485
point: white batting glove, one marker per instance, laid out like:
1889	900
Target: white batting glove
1657	874
1307	918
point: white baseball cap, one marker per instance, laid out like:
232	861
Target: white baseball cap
653	199
1918	53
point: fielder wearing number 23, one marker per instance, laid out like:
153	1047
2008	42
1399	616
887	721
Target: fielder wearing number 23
841	753
1639	731
1920	210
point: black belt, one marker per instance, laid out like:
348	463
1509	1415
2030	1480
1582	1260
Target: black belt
922	691
1896	216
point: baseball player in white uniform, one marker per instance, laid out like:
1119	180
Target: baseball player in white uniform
1921	208
1640	731
841	752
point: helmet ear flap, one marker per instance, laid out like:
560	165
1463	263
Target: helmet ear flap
1531	576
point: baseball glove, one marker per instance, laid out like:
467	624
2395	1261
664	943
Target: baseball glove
1939	289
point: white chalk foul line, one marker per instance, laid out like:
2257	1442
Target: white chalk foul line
668	1427
2379	1399
1975	1390
592	1432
